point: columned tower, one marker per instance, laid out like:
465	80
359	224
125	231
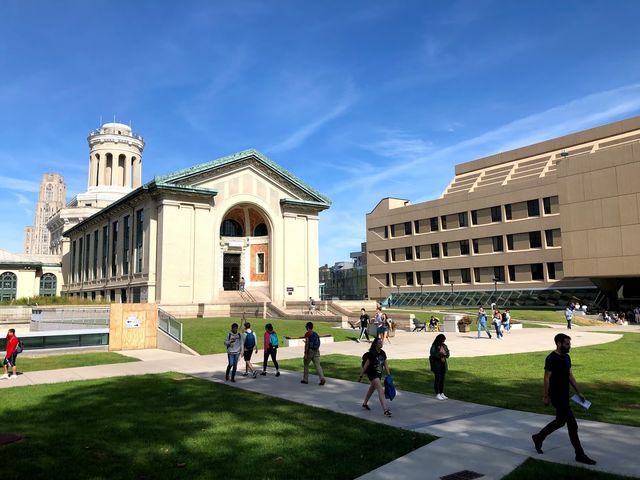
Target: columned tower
115	164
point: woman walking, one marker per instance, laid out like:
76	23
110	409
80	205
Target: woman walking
439	365
270	349
497	323
373	364
388	325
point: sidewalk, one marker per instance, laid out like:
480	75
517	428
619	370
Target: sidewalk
480	438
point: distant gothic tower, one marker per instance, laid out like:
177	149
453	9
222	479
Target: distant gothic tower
50	199
115	164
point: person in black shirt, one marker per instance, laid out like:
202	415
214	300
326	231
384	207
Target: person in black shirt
374	362
364	323
557	379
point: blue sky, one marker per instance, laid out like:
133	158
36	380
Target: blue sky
361	99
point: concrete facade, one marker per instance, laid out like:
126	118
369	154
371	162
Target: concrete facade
557	214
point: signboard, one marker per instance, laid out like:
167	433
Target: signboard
132	322
290	290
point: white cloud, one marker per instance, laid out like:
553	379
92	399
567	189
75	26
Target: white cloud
18	184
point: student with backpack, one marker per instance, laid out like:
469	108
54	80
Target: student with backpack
233	342
312	353
14	347
250	344
270	348
374	362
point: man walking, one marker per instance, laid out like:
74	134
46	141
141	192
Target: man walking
482	322
11	355
233	342
568	314
364	324
312	353
250	344
557	378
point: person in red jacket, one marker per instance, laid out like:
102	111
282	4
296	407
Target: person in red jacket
10	357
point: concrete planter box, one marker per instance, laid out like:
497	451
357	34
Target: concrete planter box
299	341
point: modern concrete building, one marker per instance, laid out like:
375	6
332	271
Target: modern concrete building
51	198
185	238
535	225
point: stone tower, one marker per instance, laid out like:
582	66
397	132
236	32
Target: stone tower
115	165
50	199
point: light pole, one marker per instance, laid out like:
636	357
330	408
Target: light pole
452	304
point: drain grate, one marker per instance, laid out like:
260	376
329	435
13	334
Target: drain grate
7	438
463	475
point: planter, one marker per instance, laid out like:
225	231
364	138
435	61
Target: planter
463	327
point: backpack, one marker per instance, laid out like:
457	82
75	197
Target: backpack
20	347
365	357
314	341
249	341
273	339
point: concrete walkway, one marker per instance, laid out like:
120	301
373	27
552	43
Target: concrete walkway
488	440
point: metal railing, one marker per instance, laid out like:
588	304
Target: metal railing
72	316
170	325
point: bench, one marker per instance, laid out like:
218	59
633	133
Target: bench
299	341
419	326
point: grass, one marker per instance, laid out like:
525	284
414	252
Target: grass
206	335
186	428
53	362
608	374
537	469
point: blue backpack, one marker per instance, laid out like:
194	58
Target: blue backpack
273	339
250	341
314	341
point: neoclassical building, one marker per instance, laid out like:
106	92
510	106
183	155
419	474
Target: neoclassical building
188	237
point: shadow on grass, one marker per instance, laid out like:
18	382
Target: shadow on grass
537	469
171	426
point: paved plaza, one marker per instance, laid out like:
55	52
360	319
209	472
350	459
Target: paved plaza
485	439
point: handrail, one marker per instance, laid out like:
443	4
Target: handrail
170	325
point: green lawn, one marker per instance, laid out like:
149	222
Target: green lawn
608	374
206	335
537	469
53	362
172	426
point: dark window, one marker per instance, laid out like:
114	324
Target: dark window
407	228
387	280
123	295
498	244
8	286
386	231
464	247
48	283
80	258
435	277
135	295
536	271
498	273
507	211
394	278
475	245
446	276
416	226
551	270
445	250
476	275
105	249
510	242
393	254
496	214
512	273
125	245
533	208
112	295
393	230
443	219
386	256
535	240
434	224
463	219
87	257
435	250
230	228
260	263
260	230
417	252
73	261
474	217
419	278
465	273
139	241
408	253
114	250
548	235
409	278
546	204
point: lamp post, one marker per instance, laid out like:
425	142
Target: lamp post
452	304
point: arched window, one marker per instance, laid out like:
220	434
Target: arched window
230	228
49	193
48	283
260	230
8	286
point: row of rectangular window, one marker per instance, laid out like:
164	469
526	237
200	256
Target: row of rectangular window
536	271
81	250
495	213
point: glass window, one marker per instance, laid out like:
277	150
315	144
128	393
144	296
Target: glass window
408	253
507	211
512	273
73	261
105	249
230	228
407	228
393	254
443	219
387	280
535	240
393	230
416	226
435	250
80	257
548	235
475	245
551	270
465	273
498	244
536	271
394	278
496	214
125	244
386	256
95	254
445	250
139	241
8	286
435	277
510	242
417	252
464	247
463	219
533	208
498	273
48	284
260	230
419	278
87	256
434	224
260	263
386	231
476	275
474	217
114	250
409	278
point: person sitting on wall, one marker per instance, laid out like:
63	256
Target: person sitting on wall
433	323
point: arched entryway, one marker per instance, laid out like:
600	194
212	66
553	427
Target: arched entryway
245	238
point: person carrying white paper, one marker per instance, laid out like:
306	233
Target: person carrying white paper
557	379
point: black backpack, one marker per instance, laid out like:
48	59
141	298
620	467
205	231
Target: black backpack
20	347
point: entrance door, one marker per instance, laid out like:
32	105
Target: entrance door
231	271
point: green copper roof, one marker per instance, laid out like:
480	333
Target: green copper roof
171	178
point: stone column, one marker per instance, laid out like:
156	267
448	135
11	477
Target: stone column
92	170
137	174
